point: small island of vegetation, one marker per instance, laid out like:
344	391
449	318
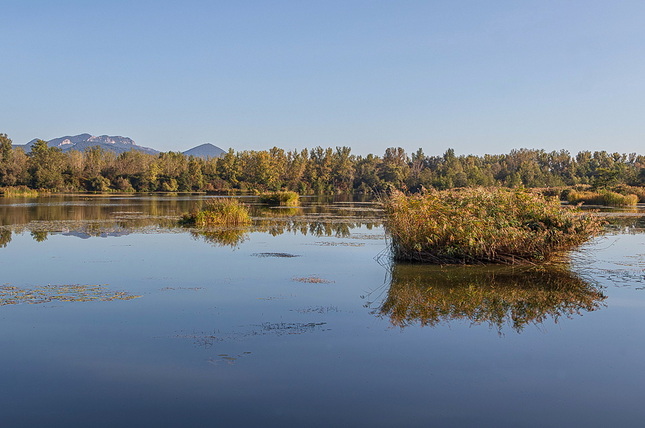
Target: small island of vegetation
218	212
283	199
471	226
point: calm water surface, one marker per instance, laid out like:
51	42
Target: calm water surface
112	316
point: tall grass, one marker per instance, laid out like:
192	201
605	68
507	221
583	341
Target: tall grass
13	191
285	199
222	211
604	197
631	190
471	226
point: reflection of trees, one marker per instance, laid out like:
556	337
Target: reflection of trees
307	226
497	296
61	293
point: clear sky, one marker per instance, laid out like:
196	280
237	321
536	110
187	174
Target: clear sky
477	76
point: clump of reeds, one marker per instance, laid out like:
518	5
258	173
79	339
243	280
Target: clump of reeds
471	226
284	199
13	191
631	190
603	197
222	211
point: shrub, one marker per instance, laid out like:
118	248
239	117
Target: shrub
285	199
483	226
218	212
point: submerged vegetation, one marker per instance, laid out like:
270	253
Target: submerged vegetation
470	226
285	199
500	296
221	211
10	295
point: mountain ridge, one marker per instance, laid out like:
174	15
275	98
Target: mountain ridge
117	144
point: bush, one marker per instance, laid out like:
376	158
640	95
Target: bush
228	212
285	199
471	226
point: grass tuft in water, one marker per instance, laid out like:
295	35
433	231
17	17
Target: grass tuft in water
472	226
229	212
285	199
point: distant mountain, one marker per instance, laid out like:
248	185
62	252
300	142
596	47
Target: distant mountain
205	151
83	141
118	145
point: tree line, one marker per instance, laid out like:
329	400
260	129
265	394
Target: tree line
317	170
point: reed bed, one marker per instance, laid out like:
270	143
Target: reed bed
284	199
14	191
631	190
473	226
229	212
604	197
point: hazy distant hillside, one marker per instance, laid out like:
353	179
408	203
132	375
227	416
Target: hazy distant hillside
81	142
118	144
205	151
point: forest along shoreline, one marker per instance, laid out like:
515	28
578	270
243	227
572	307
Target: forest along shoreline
585	177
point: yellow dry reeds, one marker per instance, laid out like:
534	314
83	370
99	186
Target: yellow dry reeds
471	226
223	211
604	197
285	199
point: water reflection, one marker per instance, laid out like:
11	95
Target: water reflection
86	216
14	211
502	297
219	236
222	237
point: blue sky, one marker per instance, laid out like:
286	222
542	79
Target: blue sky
477	76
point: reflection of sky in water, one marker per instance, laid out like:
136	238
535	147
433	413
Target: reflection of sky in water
223	337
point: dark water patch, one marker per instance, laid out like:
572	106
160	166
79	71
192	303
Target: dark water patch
280	255
338	244
317	310
312	280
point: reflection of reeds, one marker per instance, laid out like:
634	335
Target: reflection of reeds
495	295
228	237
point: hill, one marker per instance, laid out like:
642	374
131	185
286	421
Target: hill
205	151
117	144
81	142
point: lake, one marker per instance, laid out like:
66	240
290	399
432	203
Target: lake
114	316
